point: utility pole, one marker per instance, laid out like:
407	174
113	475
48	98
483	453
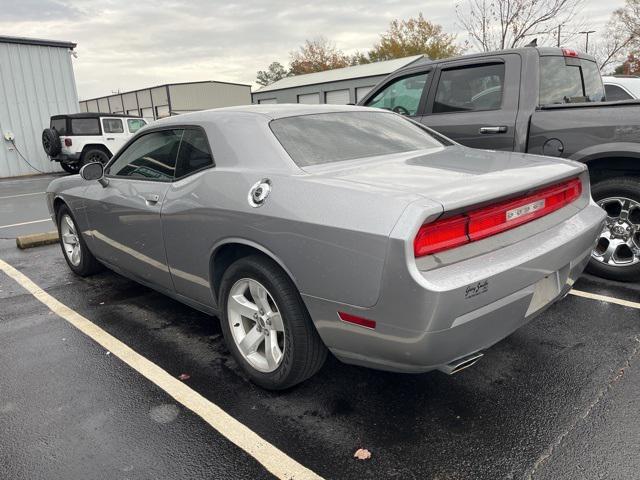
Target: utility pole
559	27
586	43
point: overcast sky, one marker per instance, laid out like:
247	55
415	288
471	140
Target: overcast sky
128	44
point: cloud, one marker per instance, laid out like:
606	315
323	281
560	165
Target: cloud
124	44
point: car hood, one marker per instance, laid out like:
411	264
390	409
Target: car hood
453	176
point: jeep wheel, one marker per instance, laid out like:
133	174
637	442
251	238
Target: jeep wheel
617	253
51	142
94	155
71	167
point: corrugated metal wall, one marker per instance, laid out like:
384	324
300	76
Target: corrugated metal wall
201	96
35	83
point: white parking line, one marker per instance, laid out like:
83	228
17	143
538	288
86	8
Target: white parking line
25	223
22	195
604	298
273	459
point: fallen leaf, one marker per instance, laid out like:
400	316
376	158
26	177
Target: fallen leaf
362	454
184	376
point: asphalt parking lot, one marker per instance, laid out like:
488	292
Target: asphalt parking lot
557	399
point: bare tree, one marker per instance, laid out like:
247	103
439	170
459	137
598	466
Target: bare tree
500	24
620	37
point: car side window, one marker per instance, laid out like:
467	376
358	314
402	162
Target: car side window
615	93
135	124
470	89
150	157
194	153
112	125
401	95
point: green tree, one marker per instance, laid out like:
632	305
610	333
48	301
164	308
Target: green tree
273	73
414	36
316	56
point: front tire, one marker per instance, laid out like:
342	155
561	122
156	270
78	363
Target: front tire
617	253
266	325
74	249
94	155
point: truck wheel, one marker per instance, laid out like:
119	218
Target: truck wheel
94	155
51	142
617	253
266	325
71	167
80	260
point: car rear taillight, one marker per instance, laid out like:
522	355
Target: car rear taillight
67	142
487	221
569	52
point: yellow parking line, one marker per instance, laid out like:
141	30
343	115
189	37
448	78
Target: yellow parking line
273	459
604	298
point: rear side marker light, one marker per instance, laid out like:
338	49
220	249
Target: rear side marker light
485	222
363	322
67	142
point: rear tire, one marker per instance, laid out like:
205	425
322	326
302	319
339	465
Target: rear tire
74	249
94	155
620	197
301	349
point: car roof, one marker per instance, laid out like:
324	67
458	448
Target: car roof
270	111
93	115
629	82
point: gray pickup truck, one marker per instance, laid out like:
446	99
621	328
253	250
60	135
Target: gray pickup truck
546	101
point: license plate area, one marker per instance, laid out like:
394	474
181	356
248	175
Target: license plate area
545	291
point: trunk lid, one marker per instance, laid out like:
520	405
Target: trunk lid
456	177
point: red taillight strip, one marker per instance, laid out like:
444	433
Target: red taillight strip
485	222
363	322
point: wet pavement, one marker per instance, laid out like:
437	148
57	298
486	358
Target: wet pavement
557	399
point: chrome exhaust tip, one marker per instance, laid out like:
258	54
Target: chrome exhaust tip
460	364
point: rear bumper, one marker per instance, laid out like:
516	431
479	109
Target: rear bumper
66	157
428	319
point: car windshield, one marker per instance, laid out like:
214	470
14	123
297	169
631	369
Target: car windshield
569	81
333	137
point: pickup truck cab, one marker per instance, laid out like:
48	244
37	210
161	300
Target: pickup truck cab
546	101
80	138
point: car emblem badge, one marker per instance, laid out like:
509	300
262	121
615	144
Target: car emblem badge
259	192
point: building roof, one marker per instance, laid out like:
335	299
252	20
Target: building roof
166	85
37	41
346	73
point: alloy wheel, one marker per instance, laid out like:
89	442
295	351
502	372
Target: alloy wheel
70	240
256	325
619	241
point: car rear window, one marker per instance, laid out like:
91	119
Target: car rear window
59	125
85	126
333	137
569	80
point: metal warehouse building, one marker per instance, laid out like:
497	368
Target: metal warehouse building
36	81
339	86
171	99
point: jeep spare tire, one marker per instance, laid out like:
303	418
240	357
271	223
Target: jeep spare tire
51	142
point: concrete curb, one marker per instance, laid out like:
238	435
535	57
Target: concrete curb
37	240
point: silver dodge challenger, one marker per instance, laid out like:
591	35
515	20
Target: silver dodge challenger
309	229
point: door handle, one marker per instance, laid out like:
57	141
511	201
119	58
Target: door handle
151	198
491	130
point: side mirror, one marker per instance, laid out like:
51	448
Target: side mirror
94	171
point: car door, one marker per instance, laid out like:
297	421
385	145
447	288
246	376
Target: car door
475	102
124	216
404	94
114	134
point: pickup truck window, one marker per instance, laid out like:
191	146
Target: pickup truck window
569	83
470	89
401	95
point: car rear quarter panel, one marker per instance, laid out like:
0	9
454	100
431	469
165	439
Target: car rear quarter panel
331	237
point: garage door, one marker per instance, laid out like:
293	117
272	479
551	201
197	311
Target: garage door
267	100
337	97
361	92
309	98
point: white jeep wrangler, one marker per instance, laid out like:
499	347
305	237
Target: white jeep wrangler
80	138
